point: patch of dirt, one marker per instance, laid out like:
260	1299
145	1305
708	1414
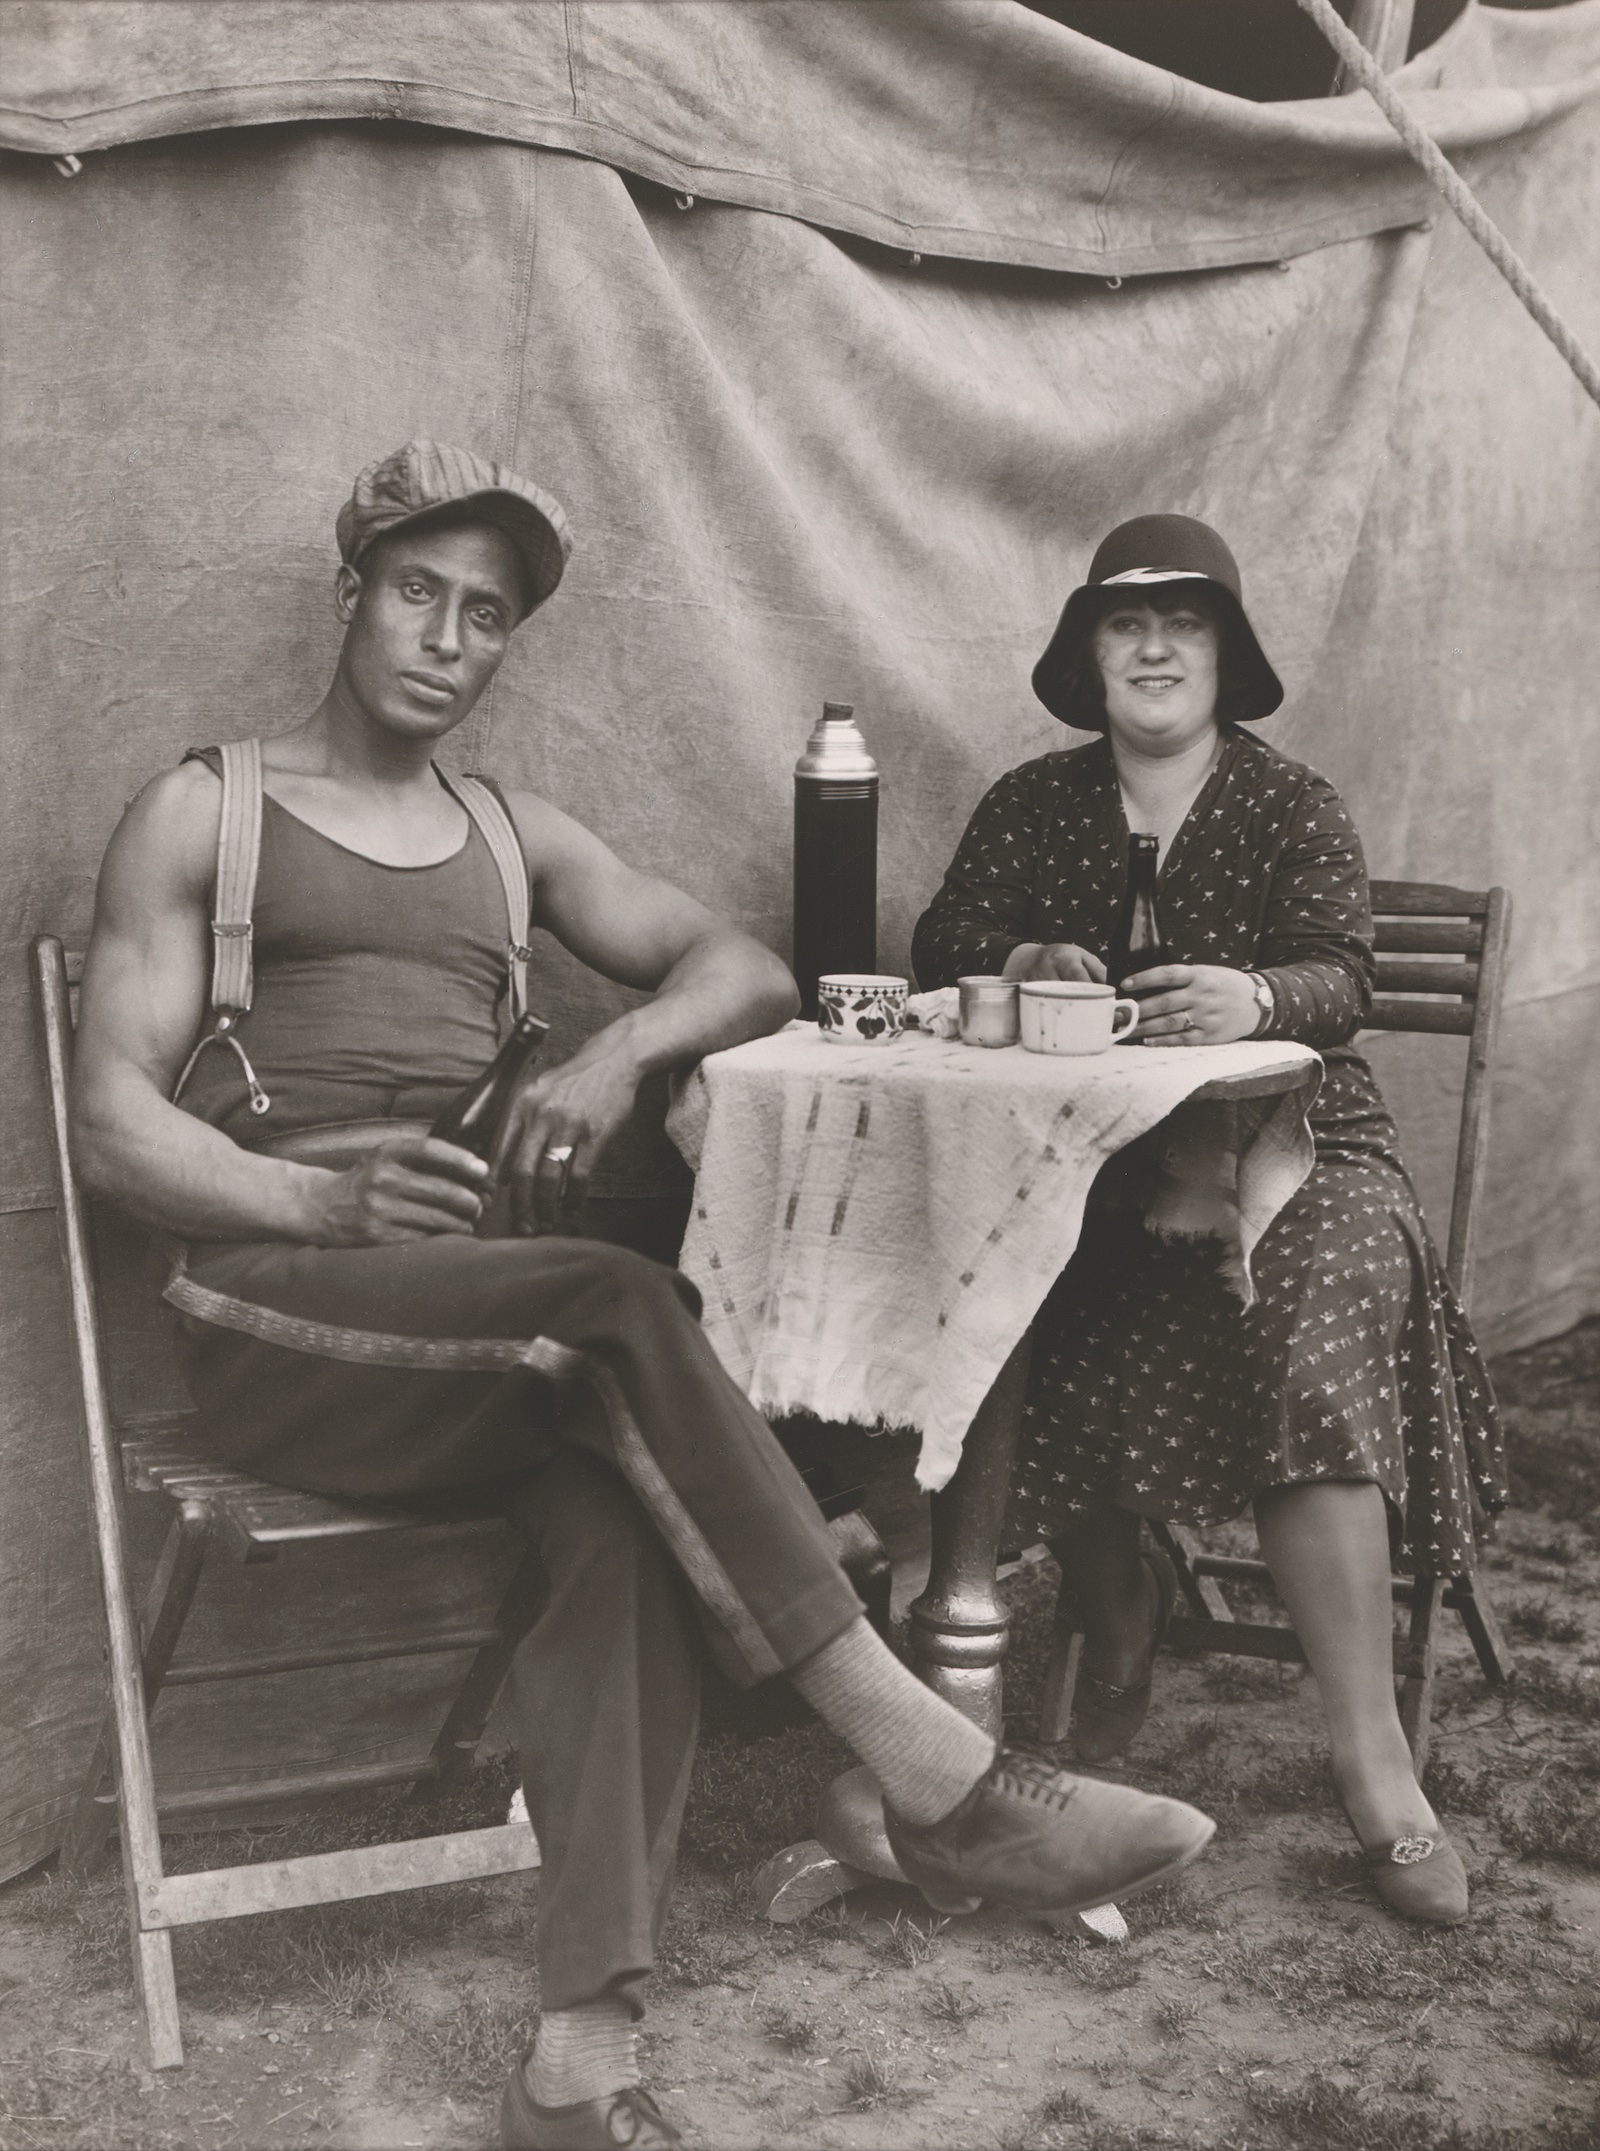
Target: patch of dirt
1263	2003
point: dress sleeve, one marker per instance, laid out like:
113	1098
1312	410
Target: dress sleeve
1316	937
984	908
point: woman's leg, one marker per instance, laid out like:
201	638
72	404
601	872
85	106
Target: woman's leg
1100	1561
1327	1545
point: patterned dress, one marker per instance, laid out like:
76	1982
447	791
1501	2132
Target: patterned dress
1152	1387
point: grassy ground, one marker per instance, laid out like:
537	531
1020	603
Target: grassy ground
1265	2003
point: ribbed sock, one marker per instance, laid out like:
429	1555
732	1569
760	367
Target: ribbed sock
923	1752
583	2053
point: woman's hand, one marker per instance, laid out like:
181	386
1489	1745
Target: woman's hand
558	1128
1055	959
1193	1004
407	1189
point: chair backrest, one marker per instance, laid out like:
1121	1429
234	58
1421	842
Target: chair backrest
1441	967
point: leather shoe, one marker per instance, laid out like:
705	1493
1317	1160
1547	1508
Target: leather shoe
1106	1718
628	2118
1041	1839
1421	1878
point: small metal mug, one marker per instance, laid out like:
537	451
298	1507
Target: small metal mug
989	1012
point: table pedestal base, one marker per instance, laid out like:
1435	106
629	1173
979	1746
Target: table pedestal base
961	1626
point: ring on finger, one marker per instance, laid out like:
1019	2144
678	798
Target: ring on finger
559	1155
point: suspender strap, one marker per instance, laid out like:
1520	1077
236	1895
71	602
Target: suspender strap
232	906
238	855
494	824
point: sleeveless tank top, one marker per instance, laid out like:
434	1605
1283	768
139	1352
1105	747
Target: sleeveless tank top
377	988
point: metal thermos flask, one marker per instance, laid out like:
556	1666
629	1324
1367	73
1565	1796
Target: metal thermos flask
835	854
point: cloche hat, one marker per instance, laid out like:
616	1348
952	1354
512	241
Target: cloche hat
1153	549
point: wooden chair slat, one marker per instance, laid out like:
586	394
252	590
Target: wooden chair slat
1411	975
1427	937
1428	900
1445	1016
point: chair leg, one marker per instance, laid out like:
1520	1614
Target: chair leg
1181	1546
1061	1674
166	1608
451	1755
158	1996
1478	1618
1418	1660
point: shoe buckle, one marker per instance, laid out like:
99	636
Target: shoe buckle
1407	1851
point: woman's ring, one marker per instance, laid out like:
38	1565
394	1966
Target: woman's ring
1188	1022
559	1154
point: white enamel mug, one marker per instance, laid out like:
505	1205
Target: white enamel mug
1063	1016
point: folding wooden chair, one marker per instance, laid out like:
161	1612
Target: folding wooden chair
1441	966
218	1510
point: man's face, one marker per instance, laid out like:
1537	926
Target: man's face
428	618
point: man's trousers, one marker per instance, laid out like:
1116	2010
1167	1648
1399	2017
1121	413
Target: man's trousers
567	1385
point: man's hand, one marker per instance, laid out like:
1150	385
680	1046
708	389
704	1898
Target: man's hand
1192	1004
407	1189
1055	959
558	1128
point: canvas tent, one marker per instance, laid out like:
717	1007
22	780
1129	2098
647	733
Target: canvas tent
843	332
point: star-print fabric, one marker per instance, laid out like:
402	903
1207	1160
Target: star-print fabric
1152	1388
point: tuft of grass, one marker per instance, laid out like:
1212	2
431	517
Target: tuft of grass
471	2046
1107	1971
1560	1820
1575	2046
1540	1620
952	2006
1249	1680
907	1944
794	2032
1564	1694
1175	2018
1064	2109
1290	1784
352	1987
870	2081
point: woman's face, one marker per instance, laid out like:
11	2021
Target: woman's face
1159	666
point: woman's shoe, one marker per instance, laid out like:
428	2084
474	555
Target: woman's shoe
1421	1878
1106	1718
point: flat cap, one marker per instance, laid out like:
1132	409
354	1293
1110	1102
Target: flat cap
424	477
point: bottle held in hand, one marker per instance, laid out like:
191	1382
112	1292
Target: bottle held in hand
1138	945
475	1117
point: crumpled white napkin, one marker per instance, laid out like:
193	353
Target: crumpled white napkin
938	1012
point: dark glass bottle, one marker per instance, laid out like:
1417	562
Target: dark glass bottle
474	1117
835	854
1138	945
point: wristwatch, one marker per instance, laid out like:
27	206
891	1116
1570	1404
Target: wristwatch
1265	1004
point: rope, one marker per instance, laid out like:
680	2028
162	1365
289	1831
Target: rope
1420	145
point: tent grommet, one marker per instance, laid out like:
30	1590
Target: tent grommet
69	166
915	260
684	201
1113	283
1283	267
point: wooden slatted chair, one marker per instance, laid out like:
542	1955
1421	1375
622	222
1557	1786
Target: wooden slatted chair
218	1510
1440	969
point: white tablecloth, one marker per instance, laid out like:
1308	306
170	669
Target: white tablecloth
874	1227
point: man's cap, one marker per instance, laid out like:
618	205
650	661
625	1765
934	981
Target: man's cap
1148	550
424	477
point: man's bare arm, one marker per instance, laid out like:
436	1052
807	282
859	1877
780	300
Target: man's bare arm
144	1003
712	986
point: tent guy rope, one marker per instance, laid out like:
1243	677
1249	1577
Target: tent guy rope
1421	146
